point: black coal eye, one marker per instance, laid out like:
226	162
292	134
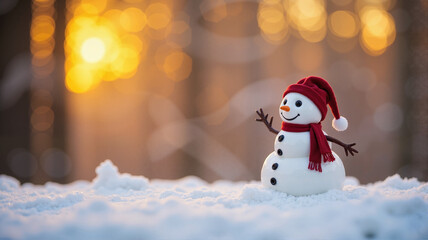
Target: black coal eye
298	103
285	101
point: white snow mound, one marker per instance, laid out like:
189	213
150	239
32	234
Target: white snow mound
121	206
109	178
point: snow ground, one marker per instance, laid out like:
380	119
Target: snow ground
121	206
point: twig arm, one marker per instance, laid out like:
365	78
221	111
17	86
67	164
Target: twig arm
346	147
264	118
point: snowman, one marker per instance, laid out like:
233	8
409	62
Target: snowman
303	163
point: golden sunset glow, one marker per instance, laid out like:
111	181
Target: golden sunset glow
111	41
104	43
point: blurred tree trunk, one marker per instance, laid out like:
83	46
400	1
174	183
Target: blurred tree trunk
59	133
47	146
415	91
14	116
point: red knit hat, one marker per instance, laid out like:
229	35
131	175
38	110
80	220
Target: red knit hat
321	93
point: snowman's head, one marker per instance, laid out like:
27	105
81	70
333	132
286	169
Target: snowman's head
299	109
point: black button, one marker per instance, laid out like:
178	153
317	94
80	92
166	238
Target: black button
280	138
279	151
274	166
273	181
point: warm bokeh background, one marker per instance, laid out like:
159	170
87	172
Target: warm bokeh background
169	88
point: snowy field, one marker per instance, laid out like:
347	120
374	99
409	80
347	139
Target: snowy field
121	206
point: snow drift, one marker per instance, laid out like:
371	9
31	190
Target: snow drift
121	206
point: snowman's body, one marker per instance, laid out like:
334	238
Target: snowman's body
289	172
286	169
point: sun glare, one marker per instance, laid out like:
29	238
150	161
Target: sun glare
93	50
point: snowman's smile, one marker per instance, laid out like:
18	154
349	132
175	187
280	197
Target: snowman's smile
290	119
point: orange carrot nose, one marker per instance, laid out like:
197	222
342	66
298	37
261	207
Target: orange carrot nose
285	108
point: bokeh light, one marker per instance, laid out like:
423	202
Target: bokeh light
158	15
22	162
378	30
81	78
93	50
42	118
105	43
93	6
308	20
272	21
42	115
42	28
177	65
133	19
126	63
343	24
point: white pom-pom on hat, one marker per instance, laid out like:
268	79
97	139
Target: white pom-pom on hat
340	124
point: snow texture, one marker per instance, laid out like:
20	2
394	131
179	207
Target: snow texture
121	206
